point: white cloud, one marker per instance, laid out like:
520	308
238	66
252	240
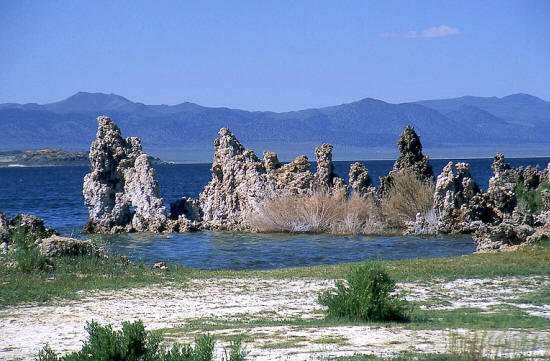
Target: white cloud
433	32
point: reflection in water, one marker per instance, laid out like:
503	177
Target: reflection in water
232	250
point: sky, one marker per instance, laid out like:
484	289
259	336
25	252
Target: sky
273	55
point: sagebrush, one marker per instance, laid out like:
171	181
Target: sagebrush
134	343
367	295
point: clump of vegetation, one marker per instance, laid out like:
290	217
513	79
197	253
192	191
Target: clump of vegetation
368	295
333	211
426	357
407	196
24	254
530	198
134	343
319	211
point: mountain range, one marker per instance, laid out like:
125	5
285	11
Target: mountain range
517	125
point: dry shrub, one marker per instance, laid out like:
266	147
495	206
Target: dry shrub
316	212
407	196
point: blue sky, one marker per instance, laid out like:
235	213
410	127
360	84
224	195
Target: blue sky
273	55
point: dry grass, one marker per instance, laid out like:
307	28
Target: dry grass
407	197
317	212
333	211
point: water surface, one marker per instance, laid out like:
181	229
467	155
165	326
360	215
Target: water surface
55	195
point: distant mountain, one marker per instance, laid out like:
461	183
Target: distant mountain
368	128
522	109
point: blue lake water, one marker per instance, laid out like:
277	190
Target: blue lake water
55	195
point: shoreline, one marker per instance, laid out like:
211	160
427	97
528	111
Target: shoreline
168	163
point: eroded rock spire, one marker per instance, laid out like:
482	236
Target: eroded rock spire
121	191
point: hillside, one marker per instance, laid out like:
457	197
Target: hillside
368	128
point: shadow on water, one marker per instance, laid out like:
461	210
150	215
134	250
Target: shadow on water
240	250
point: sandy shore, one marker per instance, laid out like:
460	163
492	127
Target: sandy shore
26	328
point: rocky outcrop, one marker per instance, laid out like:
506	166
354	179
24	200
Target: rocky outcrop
458	201
121	191
501	191
513	220
25	224
293	178
325	168
141	191
4	224
271	161
241	181
410	158
520	229
360	181
185	215
56	246
238	180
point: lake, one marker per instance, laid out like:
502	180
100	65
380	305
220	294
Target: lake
55	195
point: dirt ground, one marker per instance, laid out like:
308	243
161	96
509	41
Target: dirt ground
24	329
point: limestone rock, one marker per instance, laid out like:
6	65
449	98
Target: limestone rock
4	224
160	265
56	246
293	178
271	161
141	190
501	190
503	236
238	179
121	178
411	158
241	182
185	215
458	201
189	207
325	168
424	225
27	223
360	181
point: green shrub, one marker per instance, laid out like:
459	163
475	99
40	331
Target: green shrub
531	198
27	256
236	350
368	295
134	343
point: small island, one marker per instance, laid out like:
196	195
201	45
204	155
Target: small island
49	157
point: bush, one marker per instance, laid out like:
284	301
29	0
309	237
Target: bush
530	198
134	343
368	295
407	196
317	212
26	254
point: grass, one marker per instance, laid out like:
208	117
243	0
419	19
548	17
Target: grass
426	357
71	275
476	319
470	318
530	198
320	211
407	196
336	212
537	298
